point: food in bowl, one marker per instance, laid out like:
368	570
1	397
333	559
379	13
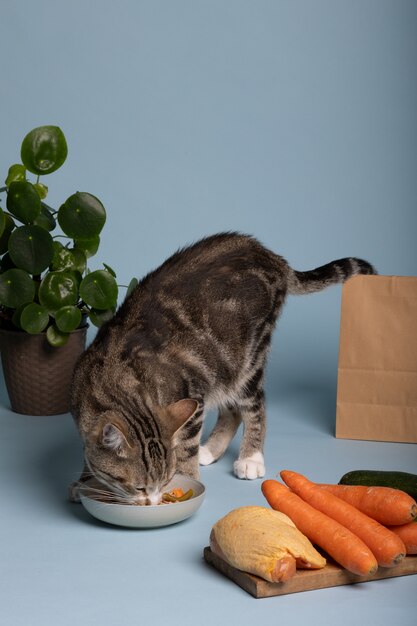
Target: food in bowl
189	492
176	495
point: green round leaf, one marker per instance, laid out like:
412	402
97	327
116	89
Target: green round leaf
16	288
8	227
41	190
68	318
99	290
31	248
23	201
45	219
98	317
68	258
16	315
110	270
133	283
55	337
44	149
80	260
77	277
88	246
16	172
34	318
58	289
62	258
82	216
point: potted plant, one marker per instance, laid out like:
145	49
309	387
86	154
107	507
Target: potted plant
47	292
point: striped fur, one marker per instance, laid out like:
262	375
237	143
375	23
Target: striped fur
193	335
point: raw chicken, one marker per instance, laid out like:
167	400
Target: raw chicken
264	542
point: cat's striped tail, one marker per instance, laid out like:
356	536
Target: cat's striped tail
330	274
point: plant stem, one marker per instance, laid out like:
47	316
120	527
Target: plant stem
49	208
3	189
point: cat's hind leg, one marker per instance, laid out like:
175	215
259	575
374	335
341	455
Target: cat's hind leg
250	463
222	434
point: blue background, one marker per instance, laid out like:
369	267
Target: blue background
294	121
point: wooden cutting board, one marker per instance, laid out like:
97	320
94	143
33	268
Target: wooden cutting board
331	575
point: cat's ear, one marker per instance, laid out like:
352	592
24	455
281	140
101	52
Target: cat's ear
178	413
112	438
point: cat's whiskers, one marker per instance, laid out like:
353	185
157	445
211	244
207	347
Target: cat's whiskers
117	495
85	476
81	484
102	493
115	489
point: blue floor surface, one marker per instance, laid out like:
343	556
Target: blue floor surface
62	567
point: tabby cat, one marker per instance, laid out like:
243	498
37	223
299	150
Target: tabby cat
193	335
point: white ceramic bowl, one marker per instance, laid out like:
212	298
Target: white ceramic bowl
149	516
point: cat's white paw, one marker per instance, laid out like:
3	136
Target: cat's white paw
205	457
251	467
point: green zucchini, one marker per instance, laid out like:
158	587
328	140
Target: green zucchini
382	478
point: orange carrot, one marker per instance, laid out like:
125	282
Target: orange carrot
339	542
386	505
408	534
177	493
387	547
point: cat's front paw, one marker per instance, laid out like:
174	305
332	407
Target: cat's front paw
205	457
251	467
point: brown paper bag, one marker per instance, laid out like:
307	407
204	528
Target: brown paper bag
377	374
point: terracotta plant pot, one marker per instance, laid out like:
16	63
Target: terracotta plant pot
37	375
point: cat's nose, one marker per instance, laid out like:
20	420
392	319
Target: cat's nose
153	497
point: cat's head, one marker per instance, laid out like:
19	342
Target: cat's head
136	459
